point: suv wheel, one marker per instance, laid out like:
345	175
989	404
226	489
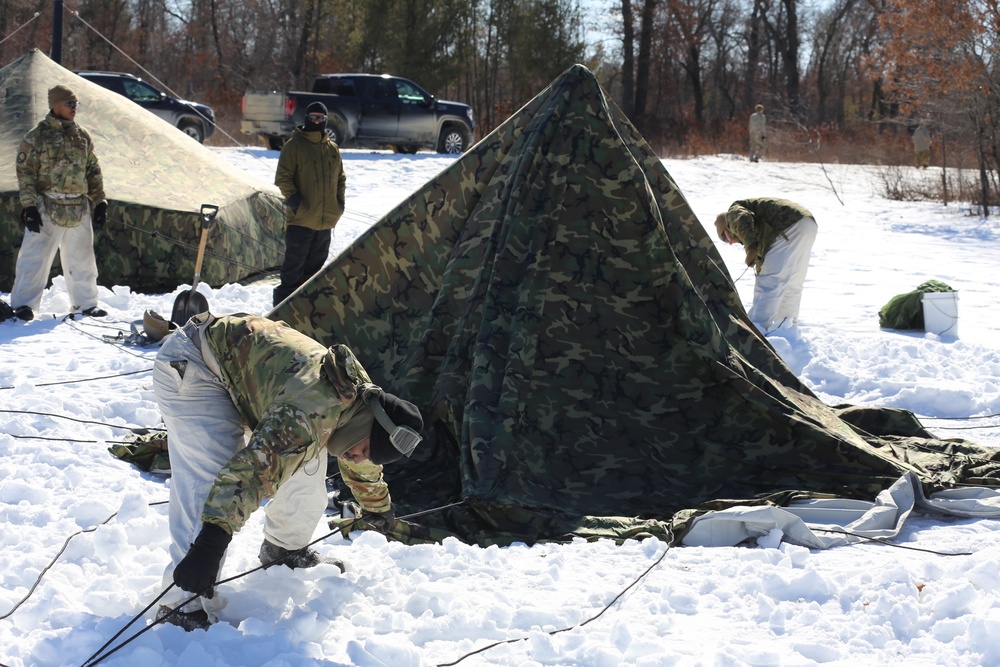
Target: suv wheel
453	140
193	130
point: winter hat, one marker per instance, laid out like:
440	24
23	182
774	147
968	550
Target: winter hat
721	228
309	126
402	413
60	94
316	107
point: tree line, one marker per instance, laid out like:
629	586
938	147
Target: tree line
687	72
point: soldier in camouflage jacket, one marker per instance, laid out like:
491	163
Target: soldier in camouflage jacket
778	236
63	202
301	402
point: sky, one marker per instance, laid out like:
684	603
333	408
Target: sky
83	536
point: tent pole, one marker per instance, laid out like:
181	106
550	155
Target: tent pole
57	30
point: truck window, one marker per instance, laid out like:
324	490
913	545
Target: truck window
408	93
334	86
137	91
380	89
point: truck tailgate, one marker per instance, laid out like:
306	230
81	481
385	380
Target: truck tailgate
264	106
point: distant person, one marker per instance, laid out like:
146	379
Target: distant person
302	402
311	178
758	130
63	202
922	145
778	236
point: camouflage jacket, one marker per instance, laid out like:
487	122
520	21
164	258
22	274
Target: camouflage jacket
294	394
57	161
310	165
756	223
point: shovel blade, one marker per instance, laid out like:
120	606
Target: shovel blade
188	304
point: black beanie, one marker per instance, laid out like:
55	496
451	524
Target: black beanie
402	413
315	107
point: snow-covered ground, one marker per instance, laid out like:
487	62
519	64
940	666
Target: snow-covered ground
868	604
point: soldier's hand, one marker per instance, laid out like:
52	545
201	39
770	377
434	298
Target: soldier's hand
31	218
383	522
100	215
751	257
198	570
294	202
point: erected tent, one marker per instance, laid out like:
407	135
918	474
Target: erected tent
156	179
579	351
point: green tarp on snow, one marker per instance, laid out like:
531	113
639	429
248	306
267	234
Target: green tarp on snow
578	349
156	179
906	311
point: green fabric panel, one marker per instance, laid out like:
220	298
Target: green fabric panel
156	179
576	346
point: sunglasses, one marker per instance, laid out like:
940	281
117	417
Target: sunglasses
72	105
315	117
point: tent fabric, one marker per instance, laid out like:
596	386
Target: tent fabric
156	179
906	311
831	522
578	349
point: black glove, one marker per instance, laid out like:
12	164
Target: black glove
31	218
100	215
294	202
199	569
383	522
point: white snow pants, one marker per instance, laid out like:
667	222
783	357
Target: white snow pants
34	261
204	430
777	292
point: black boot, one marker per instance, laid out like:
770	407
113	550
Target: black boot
271	554
24	313
190	620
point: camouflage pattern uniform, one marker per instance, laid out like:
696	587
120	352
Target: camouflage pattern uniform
778	236
216	376
58	172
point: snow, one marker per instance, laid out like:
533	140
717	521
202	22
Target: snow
92	530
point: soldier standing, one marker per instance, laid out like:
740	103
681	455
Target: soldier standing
778	237
63	202
310	175
922	145
302	402
758	128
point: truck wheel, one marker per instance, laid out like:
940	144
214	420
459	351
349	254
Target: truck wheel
193	130
335	127
453	140
275	143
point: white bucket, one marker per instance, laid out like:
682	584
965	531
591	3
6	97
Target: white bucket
941	313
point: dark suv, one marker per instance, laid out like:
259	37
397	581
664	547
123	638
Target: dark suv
193	119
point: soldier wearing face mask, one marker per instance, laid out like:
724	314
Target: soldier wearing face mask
311	178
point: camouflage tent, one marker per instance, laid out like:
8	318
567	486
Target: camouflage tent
578	349
156	179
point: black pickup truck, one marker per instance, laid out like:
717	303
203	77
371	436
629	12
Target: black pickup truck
366	109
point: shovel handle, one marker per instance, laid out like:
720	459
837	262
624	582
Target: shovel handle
208	213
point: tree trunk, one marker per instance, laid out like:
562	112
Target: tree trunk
628	59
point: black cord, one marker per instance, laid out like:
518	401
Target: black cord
55	559
92	379
882	540
69	318
571	627
92	661
134	429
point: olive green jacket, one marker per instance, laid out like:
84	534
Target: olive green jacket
310	165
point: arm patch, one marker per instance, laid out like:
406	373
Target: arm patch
21	157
